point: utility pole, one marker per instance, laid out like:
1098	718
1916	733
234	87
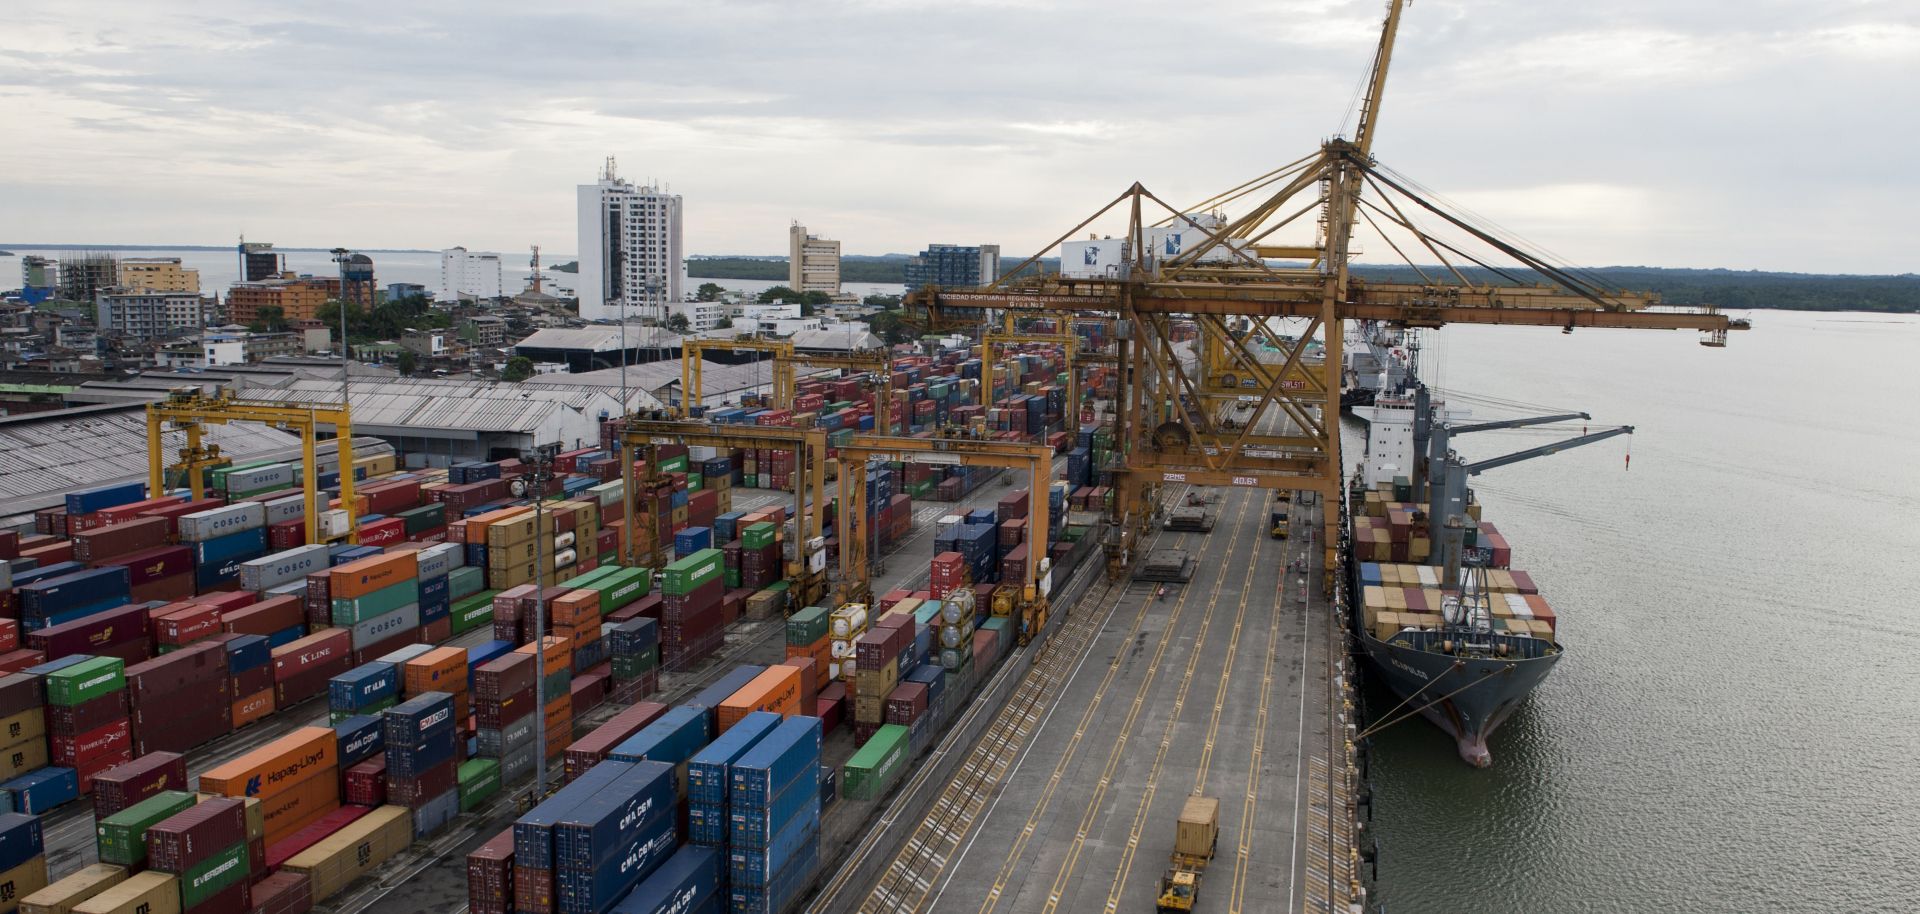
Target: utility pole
540	460
340	256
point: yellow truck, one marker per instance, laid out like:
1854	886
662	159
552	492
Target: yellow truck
1196	836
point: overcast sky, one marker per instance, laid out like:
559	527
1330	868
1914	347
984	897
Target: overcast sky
1712	133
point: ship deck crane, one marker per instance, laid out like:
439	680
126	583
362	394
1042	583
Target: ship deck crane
1225	271
190	411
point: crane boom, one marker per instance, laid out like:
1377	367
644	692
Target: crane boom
1515	423
1494	463
1377	84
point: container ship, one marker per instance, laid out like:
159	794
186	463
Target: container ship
1449	626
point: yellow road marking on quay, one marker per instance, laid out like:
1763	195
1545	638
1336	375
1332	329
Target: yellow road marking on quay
1092	813
1007	868
1251	803
1125	866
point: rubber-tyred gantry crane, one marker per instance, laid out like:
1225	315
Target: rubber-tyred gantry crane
1218	273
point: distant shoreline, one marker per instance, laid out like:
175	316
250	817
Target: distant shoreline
197	247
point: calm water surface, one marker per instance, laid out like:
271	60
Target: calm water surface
1736	726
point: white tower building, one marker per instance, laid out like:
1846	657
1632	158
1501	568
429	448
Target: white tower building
630	249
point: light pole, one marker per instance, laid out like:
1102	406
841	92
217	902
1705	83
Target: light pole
540	461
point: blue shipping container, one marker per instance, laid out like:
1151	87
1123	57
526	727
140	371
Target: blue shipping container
772	763
690	540
220	549
757	867
286	636
640	853
707	770
533	832
53	596
436	599
363	685
711	696
20	839
100	498
780	892
43	572
673	738
353	554
436	814
687	882
595	831
248	652
411	722
752	827
38	792
404	762
361	737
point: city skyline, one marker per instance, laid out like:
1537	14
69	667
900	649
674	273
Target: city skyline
1558	121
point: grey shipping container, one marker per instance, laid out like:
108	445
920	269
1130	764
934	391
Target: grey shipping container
439	560
385	626
270	571
218	522
288	508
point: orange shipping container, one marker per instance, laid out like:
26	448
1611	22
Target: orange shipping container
575	607
359	578
476	527
275	767
777	690
250	708
307	802
559	651
442	669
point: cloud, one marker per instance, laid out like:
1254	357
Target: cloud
1638	131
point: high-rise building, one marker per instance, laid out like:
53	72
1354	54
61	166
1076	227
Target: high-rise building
158	274
258	261
468	274
813	262
39	278
954	266
145	315
630	249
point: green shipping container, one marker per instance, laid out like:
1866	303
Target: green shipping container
86	680
473	612
334	717
559	684
807	626
624	586
122	837
674	464
758	536
733	578
479	780
695	482
423	518
464	582
635	666
877	765
212	875
378	603
586	580
686	575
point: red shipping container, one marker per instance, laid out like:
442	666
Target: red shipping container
178	587
380	649
177	843
490	876
287	534
86	773
367	782
435	632
228	602
77	751
258	679
273	614
15	661
283	893
120	514
301	668
186	626
289	847
414	792
9	635
391	497
120	539
60	551
383	532
87	716
92	634
153	682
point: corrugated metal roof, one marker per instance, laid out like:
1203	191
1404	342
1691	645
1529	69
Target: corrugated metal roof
46	453
600	339
842	340
475	406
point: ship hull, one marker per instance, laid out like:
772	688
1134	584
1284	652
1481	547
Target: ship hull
1470	713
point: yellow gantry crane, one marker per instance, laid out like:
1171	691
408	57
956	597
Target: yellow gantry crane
641	437
190	411
1036	459
785	362
1221	276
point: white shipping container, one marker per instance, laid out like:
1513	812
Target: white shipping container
258	479
609	493
386	625
219	522
292	507
271	571
438	560
1095	258
289	589
700	452
333	523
